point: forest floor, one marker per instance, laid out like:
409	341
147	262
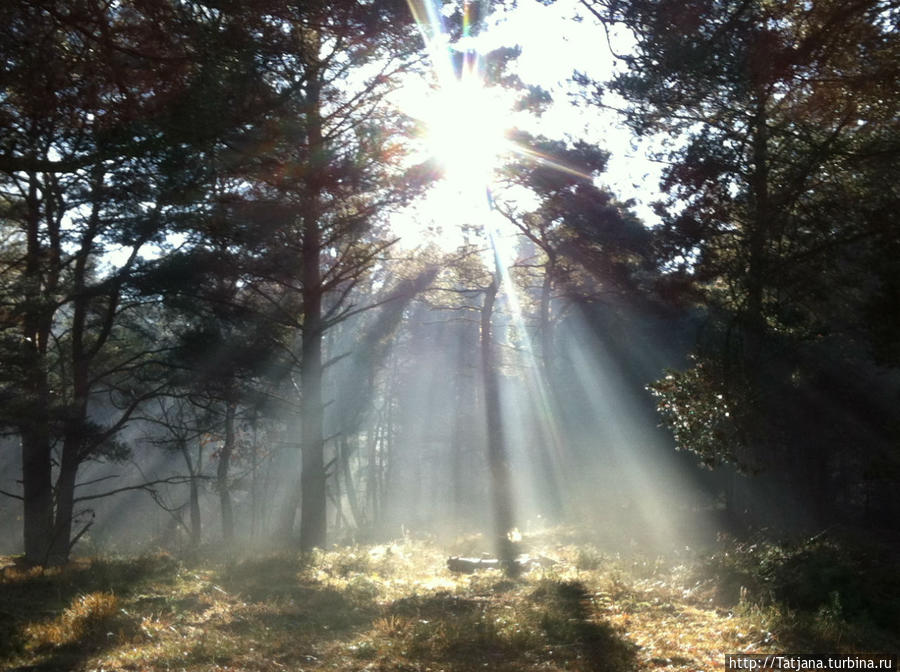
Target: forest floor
396	607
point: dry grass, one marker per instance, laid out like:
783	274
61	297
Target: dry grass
391	607
88	618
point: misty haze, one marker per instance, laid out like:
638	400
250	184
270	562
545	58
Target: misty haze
449	335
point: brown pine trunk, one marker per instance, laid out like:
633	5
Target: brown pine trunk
74	437
255	513
312	480
313	521
37	483
496	448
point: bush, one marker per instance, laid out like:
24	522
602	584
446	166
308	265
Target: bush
823	580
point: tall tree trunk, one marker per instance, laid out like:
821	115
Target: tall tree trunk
196	520
37	480
373	498
37	483
74	444
456	451
337	500
496	448
194	501
74	440
37	494
549	443
312	480
313	521
255	513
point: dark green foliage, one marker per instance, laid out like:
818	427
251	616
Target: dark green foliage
593	242
823	576
108	113
783	117
701	410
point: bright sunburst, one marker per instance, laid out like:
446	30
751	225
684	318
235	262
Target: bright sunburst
465	131
465	127
465	121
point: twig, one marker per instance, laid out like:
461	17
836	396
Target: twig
172	480
96	480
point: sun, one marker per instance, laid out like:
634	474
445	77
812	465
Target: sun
465	132
463	129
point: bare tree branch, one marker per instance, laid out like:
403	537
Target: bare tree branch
148	486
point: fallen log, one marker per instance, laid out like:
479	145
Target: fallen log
468	565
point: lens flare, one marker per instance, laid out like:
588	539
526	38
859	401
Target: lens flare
465	132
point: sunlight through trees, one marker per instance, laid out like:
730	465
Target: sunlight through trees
295	275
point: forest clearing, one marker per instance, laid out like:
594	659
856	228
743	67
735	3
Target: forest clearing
396	607
316	316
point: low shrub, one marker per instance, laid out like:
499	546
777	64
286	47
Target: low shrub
822	586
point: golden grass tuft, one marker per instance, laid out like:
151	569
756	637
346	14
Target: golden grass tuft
89	617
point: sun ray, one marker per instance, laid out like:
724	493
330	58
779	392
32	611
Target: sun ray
467	132
544	160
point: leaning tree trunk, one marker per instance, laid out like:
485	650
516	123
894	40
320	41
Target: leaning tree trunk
312	480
